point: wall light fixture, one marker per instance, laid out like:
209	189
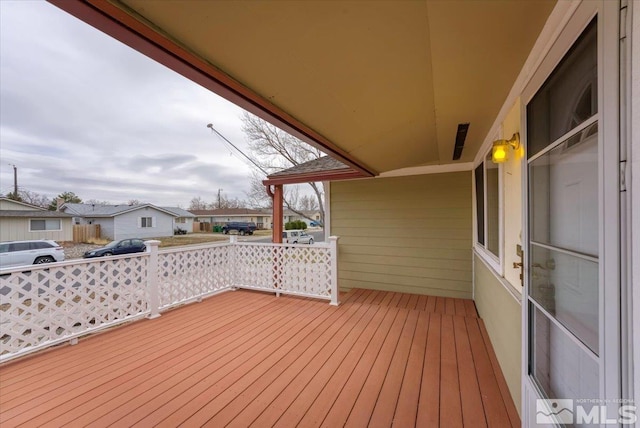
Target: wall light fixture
500	151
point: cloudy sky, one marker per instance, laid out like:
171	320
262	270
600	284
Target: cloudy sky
81	112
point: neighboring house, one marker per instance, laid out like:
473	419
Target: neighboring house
262	218
20	221
308	216
219	217
124	221
184	221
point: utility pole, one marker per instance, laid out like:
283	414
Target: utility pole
219	198
15	180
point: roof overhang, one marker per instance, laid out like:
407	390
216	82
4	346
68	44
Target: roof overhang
324	168
379	85
311	177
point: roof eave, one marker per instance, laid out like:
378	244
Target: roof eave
333	175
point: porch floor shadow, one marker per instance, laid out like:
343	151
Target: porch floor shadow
246	358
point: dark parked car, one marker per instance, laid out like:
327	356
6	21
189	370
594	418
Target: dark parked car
114	248
242	227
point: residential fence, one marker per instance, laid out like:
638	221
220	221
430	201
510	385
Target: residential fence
85	232
53	303
201	227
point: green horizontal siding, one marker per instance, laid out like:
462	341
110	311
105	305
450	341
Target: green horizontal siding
502	317
407	234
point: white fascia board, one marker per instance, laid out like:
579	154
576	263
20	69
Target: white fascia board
428	169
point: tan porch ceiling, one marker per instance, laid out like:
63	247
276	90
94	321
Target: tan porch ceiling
382	84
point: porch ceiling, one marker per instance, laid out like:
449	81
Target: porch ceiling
384	83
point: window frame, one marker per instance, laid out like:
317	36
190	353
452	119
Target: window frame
31	229
482	250
144	224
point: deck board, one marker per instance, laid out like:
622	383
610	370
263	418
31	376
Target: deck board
246	358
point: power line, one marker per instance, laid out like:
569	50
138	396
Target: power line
210	125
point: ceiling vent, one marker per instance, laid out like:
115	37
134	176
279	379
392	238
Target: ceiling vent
461	135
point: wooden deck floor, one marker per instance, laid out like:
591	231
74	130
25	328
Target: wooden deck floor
250	359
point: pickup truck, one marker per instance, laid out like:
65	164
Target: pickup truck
243	228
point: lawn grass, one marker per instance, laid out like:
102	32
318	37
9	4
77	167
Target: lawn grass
190	239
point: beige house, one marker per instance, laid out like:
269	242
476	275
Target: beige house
20	222
219	217
489	148
308	217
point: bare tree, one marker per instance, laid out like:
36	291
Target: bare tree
274	150
33	198
257	195
308	203
226	202
197	203
97	202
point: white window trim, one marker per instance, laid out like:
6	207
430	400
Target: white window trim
45	230
495	262
153	222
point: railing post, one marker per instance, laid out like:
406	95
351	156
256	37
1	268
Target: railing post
231	259
333	248
153	284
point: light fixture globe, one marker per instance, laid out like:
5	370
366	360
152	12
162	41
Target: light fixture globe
500	149
499	153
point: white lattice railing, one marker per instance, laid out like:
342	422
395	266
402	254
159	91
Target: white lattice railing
49	304
293	269
188	274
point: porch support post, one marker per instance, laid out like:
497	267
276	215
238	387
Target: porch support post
333	248
153	284
277	214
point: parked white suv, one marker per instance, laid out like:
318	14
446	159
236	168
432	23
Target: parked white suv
296	237
23	253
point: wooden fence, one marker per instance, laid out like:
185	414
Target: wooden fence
85	232
201	227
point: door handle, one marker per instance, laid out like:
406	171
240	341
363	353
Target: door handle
520	264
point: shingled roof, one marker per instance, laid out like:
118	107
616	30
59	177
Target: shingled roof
34	214
324	168
99	210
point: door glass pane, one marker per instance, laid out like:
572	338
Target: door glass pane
567	287
568	97
561	367
493	207
563	194
563	267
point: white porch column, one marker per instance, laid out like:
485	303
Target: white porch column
333	248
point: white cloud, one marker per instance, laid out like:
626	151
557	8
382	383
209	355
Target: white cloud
81	112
